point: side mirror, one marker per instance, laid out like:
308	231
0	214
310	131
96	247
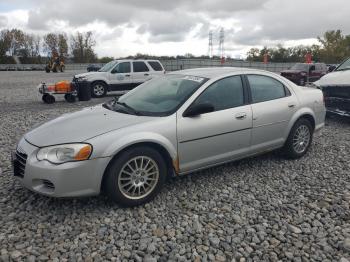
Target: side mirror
198	109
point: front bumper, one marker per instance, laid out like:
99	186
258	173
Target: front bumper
72	179
337	100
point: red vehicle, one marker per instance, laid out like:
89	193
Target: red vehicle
301	73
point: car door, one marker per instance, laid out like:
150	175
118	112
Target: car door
141	72
273	105
120	77
218	136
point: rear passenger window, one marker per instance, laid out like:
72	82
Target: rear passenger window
223	94
155	65
264	88
140	67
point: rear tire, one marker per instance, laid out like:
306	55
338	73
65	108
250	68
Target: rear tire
48	99
69	98
136	176
299	139
98	89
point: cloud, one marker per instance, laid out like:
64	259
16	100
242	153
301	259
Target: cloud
292	20
167	26
3	21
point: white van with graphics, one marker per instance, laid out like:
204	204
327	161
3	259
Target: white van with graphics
120	75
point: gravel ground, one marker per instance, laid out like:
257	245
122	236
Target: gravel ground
262	208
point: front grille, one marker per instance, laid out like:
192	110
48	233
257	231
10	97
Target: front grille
19	163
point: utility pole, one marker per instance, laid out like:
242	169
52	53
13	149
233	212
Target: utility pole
210	47
221	43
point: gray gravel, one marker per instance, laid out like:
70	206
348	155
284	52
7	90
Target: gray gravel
262	208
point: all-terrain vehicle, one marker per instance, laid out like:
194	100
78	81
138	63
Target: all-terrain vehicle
55	65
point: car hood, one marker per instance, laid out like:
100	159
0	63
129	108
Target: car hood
81	126
291	71
337	78
89	74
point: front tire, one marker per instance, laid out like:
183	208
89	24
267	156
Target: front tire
98	89
299	139
136	176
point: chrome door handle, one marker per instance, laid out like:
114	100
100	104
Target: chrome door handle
127	75
146	74
291	105
241	116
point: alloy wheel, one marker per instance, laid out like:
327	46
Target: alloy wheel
138	177
301	139
99	90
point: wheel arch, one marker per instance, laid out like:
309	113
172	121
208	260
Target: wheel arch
310	118
157	146
306	113
98	81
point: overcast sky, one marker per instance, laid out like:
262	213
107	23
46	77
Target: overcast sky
163	27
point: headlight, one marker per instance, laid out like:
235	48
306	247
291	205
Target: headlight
65	153
82	78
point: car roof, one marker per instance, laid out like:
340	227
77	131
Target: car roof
212	72
135	60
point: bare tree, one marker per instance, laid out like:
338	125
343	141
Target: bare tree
51	43
62	46
5	42
82	45
17	41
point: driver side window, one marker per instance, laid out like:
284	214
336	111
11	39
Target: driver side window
224	94
122	68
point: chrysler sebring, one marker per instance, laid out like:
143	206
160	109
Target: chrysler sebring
171	125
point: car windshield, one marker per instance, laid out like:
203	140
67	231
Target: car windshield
344	66
160	96
108	66
299	67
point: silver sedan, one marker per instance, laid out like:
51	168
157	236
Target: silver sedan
172	125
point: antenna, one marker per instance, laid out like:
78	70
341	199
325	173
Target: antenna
210	48
221	43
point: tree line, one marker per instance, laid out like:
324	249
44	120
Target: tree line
333	48
33	49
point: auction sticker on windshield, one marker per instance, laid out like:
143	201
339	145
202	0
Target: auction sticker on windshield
194	78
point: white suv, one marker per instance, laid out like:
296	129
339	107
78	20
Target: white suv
120	75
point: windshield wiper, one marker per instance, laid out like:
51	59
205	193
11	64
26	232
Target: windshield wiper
134	111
